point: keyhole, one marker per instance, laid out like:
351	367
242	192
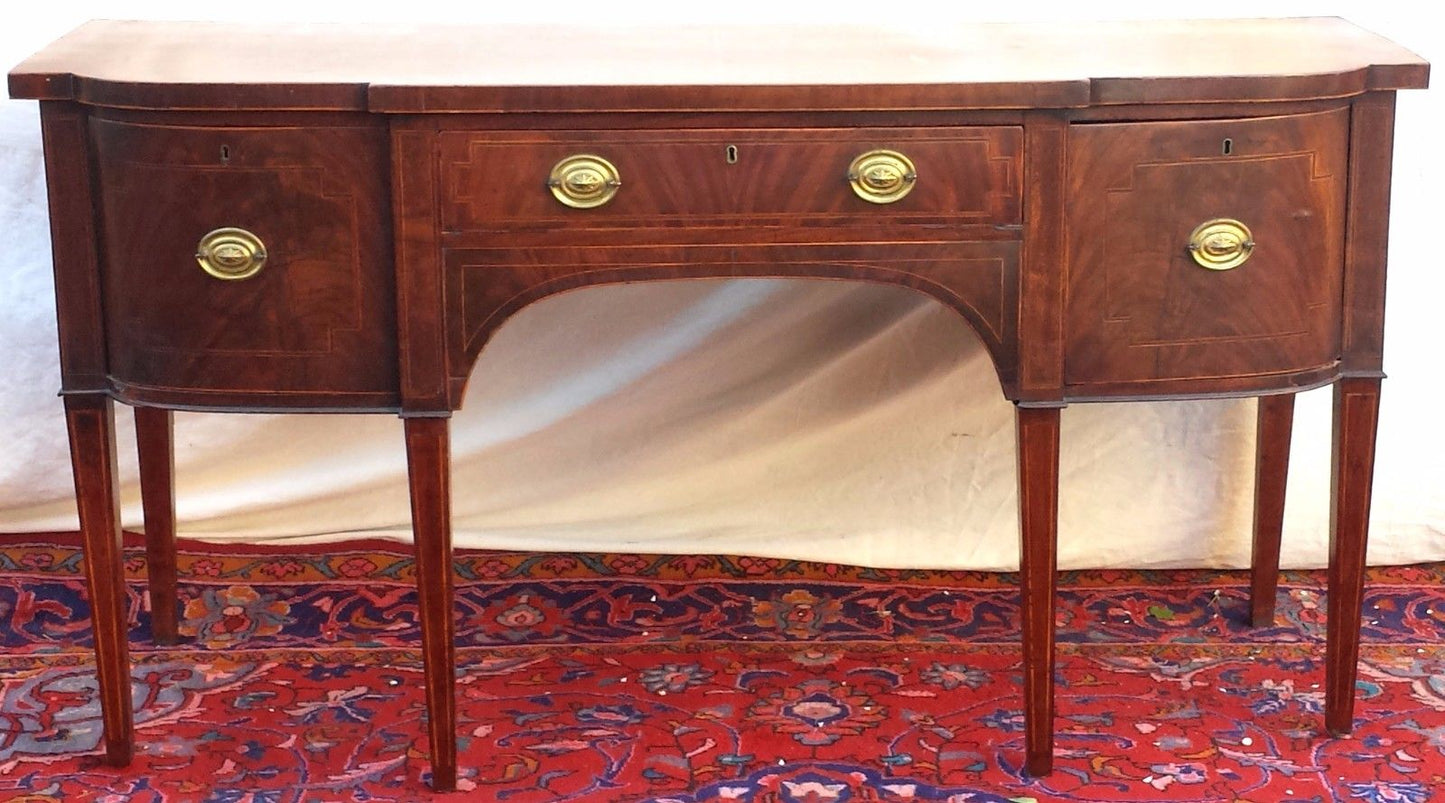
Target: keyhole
732	154
225	153
1228	146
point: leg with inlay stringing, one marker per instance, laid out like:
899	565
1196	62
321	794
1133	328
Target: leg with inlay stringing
90	421
1357	409
1038	470
428	457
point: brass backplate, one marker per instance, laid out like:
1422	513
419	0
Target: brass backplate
584	181
1221	244
882	176
231	254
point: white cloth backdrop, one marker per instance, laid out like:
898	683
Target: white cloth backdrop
781	418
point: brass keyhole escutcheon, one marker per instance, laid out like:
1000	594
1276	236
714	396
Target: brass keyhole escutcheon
584	181
231	254
1221	244
882	176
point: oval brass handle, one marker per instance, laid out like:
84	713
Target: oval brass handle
231	254
1221	244
584	181
882	177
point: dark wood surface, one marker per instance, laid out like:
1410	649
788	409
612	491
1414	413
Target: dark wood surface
1367	232
428	458
1141	311
966	175
1352	467
314	327
397	177
405	68
1274	425
421	331
155	452
1038	469
69	173
1042	274
486	286
90	421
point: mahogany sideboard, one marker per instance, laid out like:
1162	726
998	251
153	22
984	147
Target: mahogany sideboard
337	219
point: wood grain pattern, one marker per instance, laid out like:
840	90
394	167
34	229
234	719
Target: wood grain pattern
73	246
1038	471
428	459
1352	468
410	68
1141	311
496	180
1367	232
421	332
1041	275
155	451
1061	168
1273	428
90	421
313	328
486	286
1228	387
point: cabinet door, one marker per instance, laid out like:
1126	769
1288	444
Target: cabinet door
314	328
1143	314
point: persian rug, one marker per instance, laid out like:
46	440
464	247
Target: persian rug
680	679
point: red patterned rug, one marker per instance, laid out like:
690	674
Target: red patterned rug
617	678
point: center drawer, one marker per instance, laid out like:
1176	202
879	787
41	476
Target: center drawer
945	175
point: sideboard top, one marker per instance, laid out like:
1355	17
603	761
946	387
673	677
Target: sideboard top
512	68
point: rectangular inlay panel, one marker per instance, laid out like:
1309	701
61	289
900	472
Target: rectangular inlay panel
317	318
1141	310
498	179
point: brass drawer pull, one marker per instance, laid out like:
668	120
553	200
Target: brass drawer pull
231	254
1221	244
882	177
584	181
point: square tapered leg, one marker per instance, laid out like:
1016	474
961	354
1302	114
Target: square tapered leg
1357	409
1274	425
428	456
1038	468
90	421
156	453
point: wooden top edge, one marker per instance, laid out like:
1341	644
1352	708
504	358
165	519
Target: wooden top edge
410	69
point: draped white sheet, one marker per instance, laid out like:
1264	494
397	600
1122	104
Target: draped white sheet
809	419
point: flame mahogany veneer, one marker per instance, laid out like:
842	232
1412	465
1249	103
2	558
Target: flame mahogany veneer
398	180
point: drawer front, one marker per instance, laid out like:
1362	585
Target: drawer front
1142	311
314	327
499	179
